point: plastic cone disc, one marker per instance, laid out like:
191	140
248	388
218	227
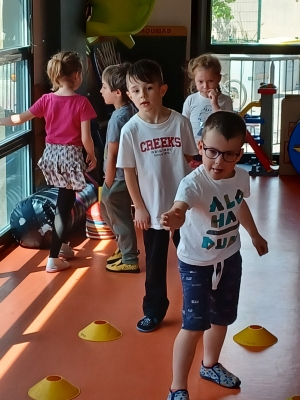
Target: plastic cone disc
53	387
255	335
294	398
100	331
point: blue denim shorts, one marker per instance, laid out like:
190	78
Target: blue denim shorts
203	306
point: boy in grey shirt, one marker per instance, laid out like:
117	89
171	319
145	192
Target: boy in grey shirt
115	203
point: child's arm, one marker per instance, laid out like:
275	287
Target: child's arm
88	144
17	119
248	223
142	217
175	217
111	162
186	109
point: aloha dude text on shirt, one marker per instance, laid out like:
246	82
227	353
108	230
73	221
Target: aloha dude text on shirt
223	222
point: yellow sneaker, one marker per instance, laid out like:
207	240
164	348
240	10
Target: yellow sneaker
115	257
119	266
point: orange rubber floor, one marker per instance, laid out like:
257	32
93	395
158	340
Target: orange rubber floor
41	315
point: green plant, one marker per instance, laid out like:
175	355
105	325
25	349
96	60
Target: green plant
221	9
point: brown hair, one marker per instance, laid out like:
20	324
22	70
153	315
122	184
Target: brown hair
115	77
148	71
204	61
227	123
61	66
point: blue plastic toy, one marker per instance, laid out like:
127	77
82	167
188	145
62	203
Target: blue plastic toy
294	148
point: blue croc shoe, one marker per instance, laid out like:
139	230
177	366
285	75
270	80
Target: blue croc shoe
219	375
178	395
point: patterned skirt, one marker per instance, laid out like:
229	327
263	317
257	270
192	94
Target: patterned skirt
63	166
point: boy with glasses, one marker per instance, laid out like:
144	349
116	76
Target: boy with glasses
209	206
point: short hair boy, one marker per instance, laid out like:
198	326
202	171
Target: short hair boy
154	148
209	206
115	203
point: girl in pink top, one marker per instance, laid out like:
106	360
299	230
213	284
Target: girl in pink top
67	115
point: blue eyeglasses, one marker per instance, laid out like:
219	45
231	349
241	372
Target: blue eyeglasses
228	156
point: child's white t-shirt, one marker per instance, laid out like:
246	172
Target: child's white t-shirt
198	108
210	233
157	151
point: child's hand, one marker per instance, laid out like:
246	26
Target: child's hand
141	218
260	244
213	95
91	161
172	219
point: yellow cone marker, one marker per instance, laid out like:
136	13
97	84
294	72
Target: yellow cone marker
255	335
100	331
53	387
294	398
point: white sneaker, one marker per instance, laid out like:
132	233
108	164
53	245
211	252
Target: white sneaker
66	251
56	265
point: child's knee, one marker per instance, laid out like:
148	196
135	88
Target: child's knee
193	335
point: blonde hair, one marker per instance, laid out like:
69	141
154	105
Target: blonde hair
204	61
62	66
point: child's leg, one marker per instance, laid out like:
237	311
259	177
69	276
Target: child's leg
176	238
213	340
117	213
183	354
64	205
224	309
196	287
223	313
104	211
156	303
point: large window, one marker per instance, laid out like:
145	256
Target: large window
14	23
257	41
15	163
14	182
14	95
255	22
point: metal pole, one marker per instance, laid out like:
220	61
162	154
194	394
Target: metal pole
258	20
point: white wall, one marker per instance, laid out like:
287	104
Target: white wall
173	13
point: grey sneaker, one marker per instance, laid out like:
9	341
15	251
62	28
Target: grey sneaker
66	251
56	265
219	375
178	395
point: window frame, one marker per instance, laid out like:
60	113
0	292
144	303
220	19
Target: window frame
201	37
26	136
